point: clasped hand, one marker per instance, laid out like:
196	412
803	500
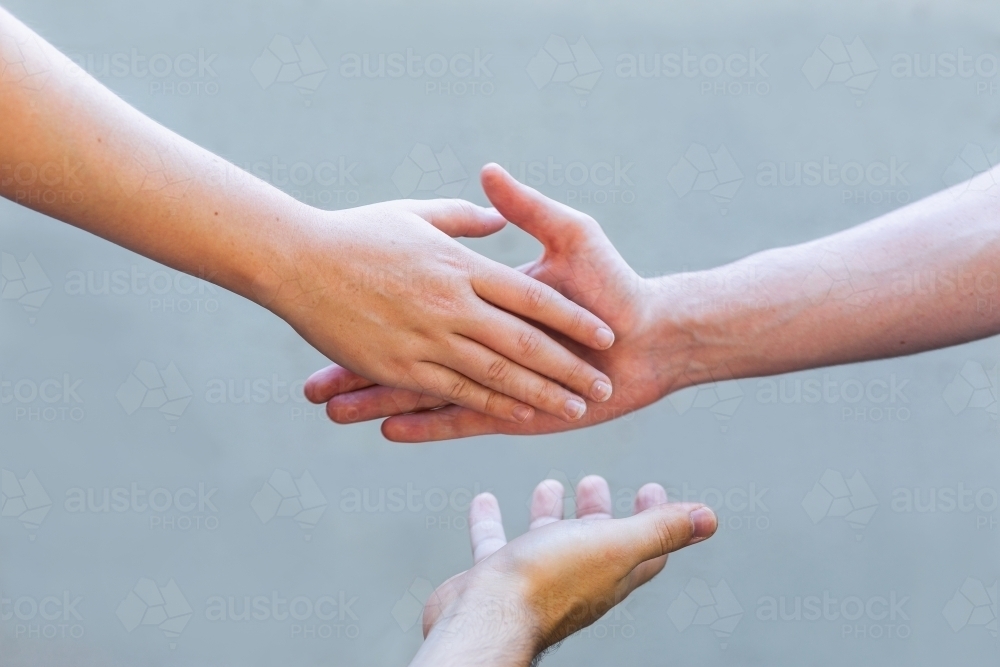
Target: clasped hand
651	357
385	291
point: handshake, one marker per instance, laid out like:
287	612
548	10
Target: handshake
447	344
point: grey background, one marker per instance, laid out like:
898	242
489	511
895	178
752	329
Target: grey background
384	559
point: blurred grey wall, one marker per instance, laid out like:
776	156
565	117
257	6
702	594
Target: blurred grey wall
858	504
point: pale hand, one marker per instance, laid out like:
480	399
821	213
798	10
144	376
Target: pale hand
384	290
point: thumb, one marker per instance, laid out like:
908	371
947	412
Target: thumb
457	217
554	224
663	529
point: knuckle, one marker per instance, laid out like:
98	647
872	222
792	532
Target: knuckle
528	342
540	394
576	373
464	208
493	402
534	295
498	370
666	535
459	388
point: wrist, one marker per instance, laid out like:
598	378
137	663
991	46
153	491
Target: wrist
281	273
699	322
495	630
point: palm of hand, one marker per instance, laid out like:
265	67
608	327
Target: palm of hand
562	575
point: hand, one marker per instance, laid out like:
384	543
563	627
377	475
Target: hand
381	290
559	577
384	291
652	355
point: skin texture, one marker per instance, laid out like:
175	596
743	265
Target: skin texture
918	278
522	597
383	289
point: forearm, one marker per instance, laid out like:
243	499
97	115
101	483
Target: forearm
918	278
73	150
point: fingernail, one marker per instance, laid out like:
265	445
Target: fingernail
604	338
704	523
575	408
521	413
601	391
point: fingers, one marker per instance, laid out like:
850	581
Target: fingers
378	402
650	495
554	224
457	217
519	341
451	422
430	378
546	504
662	529
517	293
346	404
593	498
333	380
499	373
485	526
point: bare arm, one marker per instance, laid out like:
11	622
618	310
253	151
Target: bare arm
921	277
73	150
380	289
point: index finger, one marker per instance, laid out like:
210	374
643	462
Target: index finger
457	217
